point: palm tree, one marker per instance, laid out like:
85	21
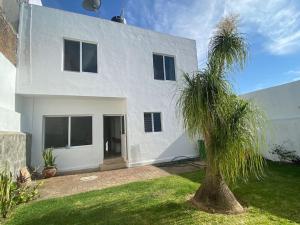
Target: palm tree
230	126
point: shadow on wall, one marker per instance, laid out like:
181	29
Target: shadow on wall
182	146
282	132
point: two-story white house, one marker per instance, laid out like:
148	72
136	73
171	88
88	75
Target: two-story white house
94	89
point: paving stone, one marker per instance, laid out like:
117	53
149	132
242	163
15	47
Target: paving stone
72	184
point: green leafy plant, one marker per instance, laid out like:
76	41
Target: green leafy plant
285	155
22	179
232	127
49	159
6	192
25	194
12	194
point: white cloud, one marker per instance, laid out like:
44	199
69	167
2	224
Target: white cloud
293	72
192	19
276	21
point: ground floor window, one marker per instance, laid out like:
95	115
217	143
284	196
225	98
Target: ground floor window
152	122
67	131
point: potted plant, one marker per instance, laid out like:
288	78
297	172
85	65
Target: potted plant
49	161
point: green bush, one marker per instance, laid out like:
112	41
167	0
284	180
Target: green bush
6	192
26	193
49	159
12	194
285	155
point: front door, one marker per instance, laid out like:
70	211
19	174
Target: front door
114	136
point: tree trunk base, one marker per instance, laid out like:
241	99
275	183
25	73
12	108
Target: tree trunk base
214	196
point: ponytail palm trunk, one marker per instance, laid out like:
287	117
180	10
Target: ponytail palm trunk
231	126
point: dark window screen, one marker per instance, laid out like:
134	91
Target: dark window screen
158	65
148	122
89	57
81	130
71	55
157	122
123	124
56	132
170	68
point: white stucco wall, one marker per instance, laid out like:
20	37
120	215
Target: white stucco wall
282	107
10	9
125	70
74	158
9	119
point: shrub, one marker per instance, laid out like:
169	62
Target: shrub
285	155
25	194
12	194
6	192
49	159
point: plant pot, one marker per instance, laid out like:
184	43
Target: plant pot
49	172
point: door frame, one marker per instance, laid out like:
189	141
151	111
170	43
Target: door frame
124	156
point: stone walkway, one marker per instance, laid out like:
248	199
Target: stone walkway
72	184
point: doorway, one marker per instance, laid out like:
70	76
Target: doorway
114	136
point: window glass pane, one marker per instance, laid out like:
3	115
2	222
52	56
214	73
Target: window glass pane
148	122
89	57
81	130
56	132
158	65
170	68
71	55
157	122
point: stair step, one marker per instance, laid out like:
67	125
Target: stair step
113	161
113	164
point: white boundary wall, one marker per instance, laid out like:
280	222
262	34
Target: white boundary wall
9	119
282	107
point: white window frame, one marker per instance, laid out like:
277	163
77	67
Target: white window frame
69	130
164	55
152	121
80	55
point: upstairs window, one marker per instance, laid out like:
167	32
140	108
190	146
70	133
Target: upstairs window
89	58
80	56
164	67
152	122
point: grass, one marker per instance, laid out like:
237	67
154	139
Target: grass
273	200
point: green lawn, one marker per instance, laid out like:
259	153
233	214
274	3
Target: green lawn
274	200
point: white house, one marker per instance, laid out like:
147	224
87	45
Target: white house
95	89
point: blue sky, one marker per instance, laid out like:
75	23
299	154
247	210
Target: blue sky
272	28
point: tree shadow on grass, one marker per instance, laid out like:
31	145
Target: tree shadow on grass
163	201
116	213
278	192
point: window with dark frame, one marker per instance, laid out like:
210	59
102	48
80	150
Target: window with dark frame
164	67
89	58
158	64
152	122
71	55
73	50
56	132
68	131
81	130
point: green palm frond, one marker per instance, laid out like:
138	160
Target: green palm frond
232	127
228	48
